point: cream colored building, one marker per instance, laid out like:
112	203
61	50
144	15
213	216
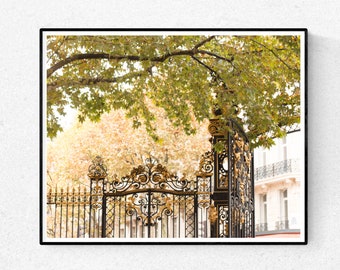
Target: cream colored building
277	176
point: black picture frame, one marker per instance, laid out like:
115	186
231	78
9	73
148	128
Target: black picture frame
97	241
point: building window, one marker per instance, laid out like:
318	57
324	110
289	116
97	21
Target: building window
285	204
263	213
283	224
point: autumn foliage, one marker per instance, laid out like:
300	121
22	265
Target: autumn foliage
254	80
122	147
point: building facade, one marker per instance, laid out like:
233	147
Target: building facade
278	192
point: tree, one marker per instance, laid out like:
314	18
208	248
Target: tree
122	148
254	80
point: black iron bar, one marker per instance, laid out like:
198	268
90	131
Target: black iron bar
84	211
162	225
143	228
230	184
173	215
125	216
114	217
167	226
246	224
149	213
61	212
210	203
104	216
185	216
67	199
196	205
179	216
119	214
243	228
195	217
90	214
78	206
237	224
72	201
94	223
130	226
156	228
55	212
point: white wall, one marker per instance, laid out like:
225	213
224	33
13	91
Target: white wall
19	131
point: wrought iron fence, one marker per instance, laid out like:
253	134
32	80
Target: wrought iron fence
68	212
275	169
152	202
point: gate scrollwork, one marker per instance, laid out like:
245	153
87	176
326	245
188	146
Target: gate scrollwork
150	175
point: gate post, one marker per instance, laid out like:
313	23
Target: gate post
97	173
233	182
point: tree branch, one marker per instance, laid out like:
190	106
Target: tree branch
216	56
205	65
230	61
203	42
84	56
90	81
213	72
108	56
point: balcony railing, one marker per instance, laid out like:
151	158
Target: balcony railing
279	226
282	225
275	169
261	227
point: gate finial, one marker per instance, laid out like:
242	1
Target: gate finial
97	169
215	127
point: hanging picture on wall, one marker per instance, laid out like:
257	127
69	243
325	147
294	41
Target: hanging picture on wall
163	136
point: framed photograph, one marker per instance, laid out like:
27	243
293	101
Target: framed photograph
173	136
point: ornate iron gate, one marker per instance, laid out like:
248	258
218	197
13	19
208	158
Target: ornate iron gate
152	202
149	202
233	185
